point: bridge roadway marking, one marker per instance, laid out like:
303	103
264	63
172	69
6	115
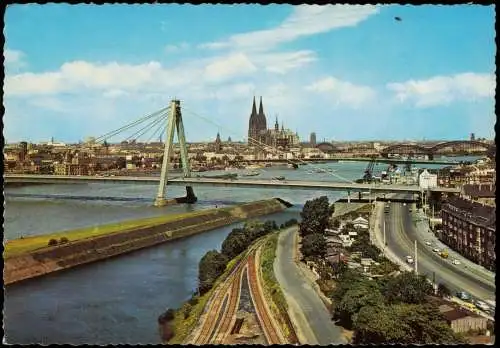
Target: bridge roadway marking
286	184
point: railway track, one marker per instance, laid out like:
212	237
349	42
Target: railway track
272	336
229	316
215	330
209	324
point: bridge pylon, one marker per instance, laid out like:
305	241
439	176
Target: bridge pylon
174	122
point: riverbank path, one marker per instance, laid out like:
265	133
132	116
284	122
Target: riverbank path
311	317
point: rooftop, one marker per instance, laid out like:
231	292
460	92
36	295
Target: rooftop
474	212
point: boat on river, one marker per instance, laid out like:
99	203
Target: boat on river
251	173
219	176
280	178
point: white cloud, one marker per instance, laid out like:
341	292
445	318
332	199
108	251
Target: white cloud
305	20
233	65
343	92
78	75
281	63
14	59
169	49
441	90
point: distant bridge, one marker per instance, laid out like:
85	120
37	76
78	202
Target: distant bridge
457	146
349	159
241	183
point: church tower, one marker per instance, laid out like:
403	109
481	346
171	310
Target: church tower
218	143
262	117
253	124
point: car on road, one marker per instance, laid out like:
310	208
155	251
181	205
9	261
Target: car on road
482	306
436	250
428	243
409	259
463	296
456	262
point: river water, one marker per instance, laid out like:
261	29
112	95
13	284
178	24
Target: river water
119	300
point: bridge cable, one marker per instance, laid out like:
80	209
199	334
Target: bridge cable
146	128
123	129
161	129
130	125
265	146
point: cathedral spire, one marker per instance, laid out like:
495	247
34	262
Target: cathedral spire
261	108
254	108
276	124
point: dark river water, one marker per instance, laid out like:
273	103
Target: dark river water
119	300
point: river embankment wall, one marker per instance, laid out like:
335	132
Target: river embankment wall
74	253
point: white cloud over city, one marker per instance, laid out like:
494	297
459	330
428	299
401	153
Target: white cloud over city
442	90
221	76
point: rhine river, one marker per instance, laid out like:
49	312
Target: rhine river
119	300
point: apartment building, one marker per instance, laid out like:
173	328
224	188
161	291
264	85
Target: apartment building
469	228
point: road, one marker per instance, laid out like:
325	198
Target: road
401	234
306	308
425	234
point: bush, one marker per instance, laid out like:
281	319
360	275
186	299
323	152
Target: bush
291	222
63	240
193	301
52	242
167	316
186	310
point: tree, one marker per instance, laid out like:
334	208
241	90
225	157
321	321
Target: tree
235	243
253	230
211	266
443	290
313	245
407	287
339	268
345	280
402	324
361	293
315	216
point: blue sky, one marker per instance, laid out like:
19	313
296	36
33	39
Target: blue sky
344	72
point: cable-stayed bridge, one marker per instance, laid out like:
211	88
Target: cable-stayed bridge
168	121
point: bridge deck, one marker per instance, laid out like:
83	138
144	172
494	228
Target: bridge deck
243	183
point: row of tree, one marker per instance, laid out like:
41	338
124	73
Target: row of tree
214	263
389	310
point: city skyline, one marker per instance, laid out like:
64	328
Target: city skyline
82	74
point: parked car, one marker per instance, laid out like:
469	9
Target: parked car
409	259
482	306
456	262
436	250
428	243
463	296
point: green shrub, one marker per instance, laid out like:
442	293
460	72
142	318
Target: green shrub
52	242
63	240
167	316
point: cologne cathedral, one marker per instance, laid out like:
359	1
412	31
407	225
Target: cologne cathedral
259	135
